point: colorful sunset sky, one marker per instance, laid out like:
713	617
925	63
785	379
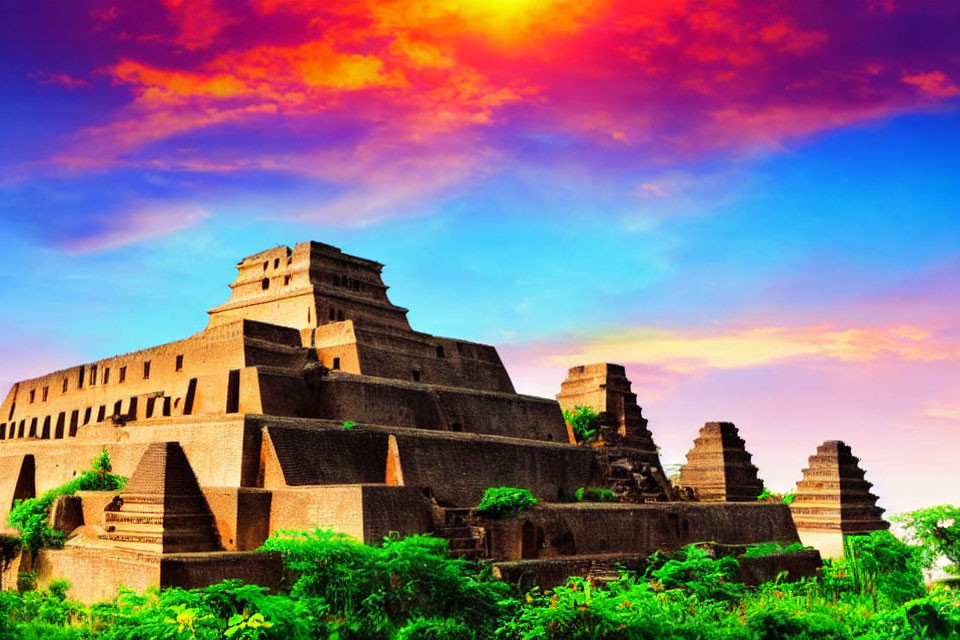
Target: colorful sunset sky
754	206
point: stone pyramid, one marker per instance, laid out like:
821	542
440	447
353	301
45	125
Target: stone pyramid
605	388
833	495
718	468
162	508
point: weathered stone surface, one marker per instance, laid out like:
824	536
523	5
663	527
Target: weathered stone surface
162	508
719	468
834	496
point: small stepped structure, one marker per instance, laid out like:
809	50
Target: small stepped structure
629	458
719	468
464	539
162	508
834	499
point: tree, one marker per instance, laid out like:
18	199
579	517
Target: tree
937	530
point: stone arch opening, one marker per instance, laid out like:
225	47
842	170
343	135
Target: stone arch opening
27	480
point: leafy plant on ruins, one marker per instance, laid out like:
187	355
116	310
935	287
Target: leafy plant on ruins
585	423
771	548
595	494
499	502
31	517
337	588
349	424
937	531
770	496
406	585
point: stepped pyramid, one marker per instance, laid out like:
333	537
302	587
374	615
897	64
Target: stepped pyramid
162	508
606	389
833	496
718	468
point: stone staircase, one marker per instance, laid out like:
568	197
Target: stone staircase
465	540
603	571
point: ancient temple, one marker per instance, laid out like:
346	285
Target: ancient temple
308	401
719	468
833	499
629	457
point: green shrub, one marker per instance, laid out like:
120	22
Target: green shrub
884	567
435	629
31	517
585	423
595	494
771	548
498	502
937	531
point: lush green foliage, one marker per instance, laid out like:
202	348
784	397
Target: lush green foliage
31	517
585	423
595	494
769	496
349	424
771	548
937	530
336	588
498	502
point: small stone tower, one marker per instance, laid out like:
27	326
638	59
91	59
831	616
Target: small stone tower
629	457
162	509
834	499
719	468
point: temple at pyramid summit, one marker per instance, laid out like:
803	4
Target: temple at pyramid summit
309	401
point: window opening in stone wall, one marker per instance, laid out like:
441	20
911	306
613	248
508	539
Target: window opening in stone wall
333	313
33	428
13	407
86	415
26	486
439	351
80	377
93	374
13	429
146	369
233	391
150	403
166	406
308	315
45	432
66	384
265	284
336	363
191	394
266	263
3	431
23	424
276	263
180	363
339	315
416	376
74	423
102	413
286	280
460	346
132	412
33	394
61	424
123	374
117	407
106	375
356	285
46	393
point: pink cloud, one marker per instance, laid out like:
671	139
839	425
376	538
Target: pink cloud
135	225
61	79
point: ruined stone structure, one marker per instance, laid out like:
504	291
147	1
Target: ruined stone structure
309	401
834	499
629	460
718	467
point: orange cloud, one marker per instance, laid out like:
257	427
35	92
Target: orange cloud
198	21
934	84
687	352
